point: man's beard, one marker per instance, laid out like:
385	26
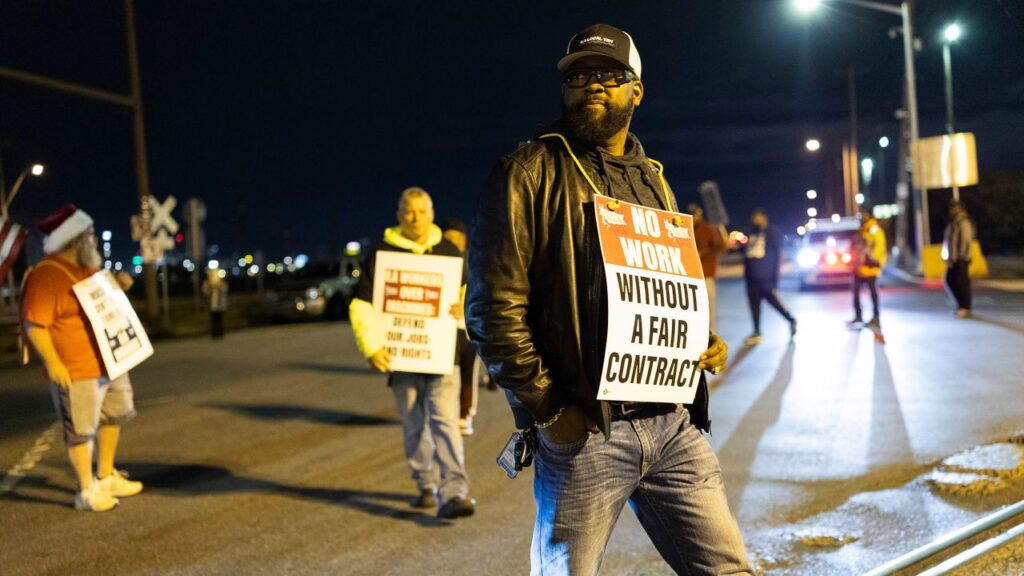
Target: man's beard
596	131
89	255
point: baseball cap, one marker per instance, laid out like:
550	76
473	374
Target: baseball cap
602	40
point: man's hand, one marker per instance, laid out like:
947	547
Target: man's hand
58	373
715	357
125	280
380	360
569	427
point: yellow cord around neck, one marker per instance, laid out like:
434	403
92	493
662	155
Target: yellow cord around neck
660	168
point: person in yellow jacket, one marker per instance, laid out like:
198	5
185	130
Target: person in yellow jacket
428	403
870	252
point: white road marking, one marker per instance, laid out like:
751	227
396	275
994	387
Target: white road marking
30	459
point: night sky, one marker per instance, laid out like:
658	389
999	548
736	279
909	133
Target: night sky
299	122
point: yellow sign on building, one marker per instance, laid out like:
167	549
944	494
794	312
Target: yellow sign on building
945	161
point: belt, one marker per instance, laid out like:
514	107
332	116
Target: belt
633	410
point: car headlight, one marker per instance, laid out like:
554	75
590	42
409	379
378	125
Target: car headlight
807	258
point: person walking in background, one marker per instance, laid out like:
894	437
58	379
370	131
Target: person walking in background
468	363
870	250
762	264
91	407
956	251
710	245
427	403
216	289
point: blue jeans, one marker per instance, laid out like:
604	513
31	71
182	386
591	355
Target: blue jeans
429	406
664	468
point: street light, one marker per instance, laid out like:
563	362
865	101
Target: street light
813	145
903	11
5	202
950	34
812	194
883	142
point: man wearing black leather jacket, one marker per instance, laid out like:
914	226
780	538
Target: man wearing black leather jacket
536	310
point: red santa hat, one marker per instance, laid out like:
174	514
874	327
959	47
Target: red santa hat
62	227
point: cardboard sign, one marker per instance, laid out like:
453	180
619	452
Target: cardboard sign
122	339
413	295
657	304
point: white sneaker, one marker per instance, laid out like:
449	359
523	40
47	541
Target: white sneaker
118	485
94	499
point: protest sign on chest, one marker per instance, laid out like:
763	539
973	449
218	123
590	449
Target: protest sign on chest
122	340
413	295
657	304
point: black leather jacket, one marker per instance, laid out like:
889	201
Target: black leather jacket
535	303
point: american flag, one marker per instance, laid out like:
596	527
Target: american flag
12	236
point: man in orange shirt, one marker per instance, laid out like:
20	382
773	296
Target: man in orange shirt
88	403
710	245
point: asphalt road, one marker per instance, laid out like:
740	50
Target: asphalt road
276	452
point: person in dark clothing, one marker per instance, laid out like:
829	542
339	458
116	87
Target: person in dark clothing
956	251
454	230
535	308
762	261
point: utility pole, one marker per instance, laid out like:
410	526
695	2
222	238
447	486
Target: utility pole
139	136
133	102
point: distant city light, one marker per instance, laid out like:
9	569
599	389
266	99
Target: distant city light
952	33
352	248
835	218
813	145
812	225
883	141
222	273
801	230
254	270
812	211
271	267
301	260
242	262
106	235
812	194
138	269
859	198
287	260
37	169
248	259
118	266
107	265
213	265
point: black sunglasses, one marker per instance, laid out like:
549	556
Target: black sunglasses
608	77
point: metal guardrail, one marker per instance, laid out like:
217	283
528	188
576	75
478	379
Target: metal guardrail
953	538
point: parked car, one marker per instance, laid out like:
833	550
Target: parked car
330	296
826	253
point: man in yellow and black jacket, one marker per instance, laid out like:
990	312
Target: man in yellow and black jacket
428	403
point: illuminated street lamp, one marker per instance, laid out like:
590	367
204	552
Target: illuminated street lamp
5	200
813	145
812	194
903	11
812	212
883	142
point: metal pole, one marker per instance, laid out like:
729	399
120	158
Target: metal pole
951	539
924	237
849	203
947	66
141	169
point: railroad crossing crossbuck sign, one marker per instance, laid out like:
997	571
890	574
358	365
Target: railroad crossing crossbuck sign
160	224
